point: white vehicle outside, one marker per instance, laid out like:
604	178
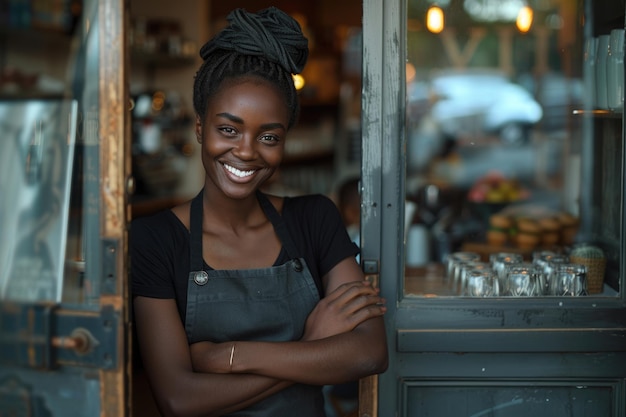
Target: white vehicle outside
483	103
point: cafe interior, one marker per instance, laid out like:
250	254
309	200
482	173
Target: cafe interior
488	116
511	166
492	149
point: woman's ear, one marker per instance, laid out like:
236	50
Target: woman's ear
198	129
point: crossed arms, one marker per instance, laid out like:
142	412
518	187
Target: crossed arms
344	339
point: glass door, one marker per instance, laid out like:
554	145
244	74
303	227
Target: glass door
64	165
493	204
505	145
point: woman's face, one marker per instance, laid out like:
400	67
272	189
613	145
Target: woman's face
243	136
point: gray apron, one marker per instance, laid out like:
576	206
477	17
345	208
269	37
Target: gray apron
265	304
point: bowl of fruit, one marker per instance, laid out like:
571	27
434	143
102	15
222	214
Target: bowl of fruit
493	192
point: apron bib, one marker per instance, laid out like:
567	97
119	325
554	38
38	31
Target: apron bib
264	304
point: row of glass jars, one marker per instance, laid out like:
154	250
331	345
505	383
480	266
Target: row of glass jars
507	274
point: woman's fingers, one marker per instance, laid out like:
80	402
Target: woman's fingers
351	290
353	296
367	312
343	309
363	302
362	308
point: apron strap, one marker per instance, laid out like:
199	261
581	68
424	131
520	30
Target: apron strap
195	239
279	225
195	225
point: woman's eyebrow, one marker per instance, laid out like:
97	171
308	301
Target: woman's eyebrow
230	117
239	120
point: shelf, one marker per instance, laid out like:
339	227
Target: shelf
30	95
36	38
607	114
161	59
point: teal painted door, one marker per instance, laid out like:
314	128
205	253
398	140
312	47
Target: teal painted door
63	312
475	113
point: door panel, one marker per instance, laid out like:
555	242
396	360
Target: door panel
502	398
481	353
64	352
31	393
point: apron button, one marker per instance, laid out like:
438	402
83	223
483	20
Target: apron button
200	277
297	265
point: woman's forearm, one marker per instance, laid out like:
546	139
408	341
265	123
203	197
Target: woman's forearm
273	389
197	394
340	358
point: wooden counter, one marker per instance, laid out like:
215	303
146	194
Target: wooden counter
428	281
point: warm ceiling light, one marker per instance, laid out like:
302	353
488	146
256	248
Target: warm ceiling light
524	19
434	19
298	81
410	72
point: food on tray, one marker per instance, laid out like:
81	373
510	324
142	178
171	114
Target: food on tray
527	234
499	229
550	231
530	227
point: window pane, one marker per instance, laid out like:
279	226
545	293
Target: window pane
49	158
514	148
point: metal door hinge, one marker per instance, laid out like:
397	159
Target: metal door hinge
371	271
109	266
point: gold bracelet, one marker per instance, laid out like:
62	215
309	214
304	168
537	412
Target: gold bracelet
232	355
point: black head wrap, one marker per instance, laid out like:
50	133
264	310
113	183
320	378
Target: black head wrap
270	33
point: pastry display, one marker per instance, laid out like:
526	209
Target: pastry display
530	228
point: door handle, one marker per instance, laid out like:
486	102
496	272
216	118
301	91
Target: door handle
80	341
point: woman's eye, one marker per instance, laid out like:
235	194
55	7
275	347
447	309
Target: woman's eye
228	130
270	139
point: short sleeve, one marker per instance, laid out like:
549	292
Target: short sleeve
317	227
151	243
334	243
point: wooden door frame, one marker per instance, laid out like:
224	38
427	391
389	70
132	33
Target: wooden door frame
115	184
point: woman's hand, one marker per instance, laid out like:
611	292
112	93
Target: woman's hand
343	309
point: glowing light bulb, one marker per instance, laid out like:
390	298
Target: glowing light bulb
298	81
435	19
410	72
524	19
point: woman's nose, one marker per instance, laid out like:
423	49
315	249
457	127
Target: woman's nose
245	148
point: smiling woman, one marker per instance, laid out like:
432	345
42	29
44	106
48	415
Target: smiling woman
243	136
247	301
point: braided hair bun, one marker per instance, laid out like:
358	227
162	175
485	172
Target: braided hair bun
270	33
268	45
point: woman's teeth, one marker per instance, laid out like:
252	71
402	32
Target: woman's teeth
238	172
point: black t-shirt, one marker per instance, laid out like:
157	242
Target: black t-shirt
159	247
